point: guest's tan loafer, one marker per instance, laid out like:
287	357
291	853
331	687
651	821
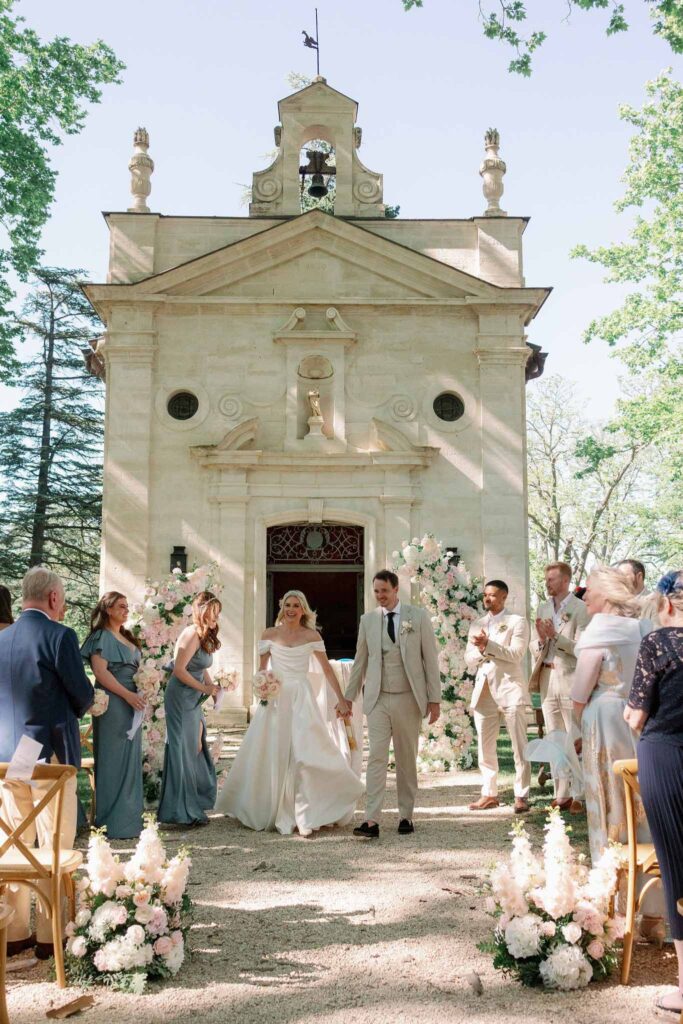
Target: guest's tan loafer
521	805
484	803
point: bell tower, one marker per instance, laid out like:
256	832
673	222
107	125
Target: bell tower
317	112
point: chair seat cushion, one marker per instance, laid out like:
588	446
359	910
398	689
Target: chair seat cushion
14	865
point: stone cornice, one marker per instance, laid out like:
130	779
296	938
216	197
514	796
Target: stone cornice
516	356
210	457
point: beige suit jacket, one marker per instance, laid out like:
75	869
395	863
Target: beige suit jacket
417	644
501	664
560	651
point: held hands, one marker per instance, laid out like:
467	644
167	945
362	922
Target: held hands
480	641
344	708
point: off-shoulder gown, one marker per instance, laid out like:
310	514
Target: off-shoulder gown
289	773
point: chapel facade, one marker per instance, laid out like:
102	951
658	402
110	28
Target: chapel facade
293	395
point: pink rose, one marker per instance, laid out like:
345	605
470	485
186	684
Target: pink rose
176	937
596	949
141	897
163	946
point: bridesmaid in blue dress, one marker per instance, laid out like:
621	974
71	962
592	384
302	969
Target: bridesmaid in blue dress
188	784
114	656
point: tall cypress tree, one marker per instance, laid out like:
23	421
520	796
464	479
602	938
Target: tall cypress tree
51	444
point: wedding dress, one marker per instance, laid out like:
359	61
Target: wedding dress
293	769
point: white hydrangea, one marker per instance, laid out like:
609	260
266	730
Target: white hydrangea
523	936
566	968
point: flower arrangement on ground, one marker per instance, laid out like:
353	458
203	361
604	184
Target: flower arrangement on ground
554	927
157	623
266	686
454	599
132	919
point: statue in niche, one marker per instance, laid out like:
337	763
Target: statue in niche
314	402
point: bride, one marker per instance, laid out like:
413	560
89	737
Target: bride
289	772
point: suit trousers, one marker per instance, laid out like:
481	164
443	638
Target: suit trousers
395	716
557	715
487	721
18	800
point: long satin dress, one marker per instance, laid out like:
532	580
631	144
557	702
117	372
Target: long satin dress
292	769
188	783
118	760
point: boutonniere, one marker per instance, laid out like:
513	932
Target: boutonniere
501	627
565	618
406	627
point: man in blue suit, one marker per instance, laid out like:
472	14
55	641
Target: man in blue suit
44	691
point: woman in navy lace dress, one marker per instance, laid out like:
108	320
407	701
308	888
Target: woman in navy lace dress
655	709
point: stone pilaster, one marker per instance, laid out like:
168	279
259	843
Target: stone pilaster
129	351
503	460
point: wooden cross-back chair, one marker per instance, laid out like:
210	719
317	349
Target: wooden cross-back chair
6	915
26	865
642	859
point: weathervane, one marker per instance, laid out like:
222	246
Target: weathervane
312	43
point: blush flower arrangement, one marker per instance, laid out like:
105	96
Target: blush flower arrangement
267	686
132	918
454	599
100	704
157	622
554	921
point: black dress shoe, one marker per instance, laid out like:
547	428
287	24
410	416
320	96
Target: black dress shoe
367	831
405	827
15	946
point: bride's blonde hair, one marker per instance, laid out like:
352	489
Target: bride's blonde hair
308	617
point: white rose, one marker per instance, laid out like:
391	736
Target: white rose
82	918
572	932
79	946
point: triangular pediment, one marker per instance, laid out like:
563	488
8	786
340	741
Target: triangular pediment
312	255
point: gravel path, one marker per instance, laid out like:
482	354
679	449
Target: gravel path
344	931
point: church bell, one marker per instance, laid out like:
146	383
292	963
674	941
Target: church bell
318	187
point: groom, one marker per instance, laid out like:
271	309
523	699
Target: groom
396	659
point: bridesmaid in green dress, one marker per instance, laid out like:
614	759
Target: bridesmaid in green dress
188	784
114	656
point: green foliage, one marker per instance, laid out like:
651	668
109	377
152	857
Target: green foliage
645	330
51	445
502	24
44	89
590	488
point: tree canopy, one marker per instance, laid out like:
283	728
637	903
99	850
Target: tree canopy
44	92
505	23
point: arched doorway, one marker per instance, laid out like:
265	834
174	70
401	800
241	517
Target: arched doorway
326	562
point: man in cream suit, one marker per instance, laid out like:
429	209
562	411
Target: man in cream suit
559	623
397	665
634	571
496	646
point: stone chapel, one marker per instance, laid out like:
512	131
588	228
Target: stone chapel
293	395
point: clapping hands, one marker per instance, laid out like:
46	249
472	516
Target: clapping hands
545	629
481	640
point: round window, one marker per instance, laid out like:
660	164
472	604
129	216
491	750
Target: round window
449	407
183	405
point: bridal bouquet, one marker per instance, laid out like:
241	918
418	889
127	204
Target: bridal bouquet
132	919
100	704
553	923
266	686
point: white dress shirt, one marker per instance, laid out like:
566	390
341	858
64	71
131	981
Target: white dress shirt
559	612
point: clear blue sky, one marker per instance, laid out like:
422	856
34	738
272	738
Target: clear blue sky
204	78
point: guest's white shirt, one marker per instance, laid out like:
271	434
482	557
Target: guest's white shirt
559	612
397	617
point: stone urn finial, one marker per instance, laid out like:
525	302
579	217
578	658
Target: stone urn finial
492	170
141	166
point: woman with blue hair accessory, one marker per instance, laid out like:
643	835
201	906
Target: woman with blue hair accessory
655	709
